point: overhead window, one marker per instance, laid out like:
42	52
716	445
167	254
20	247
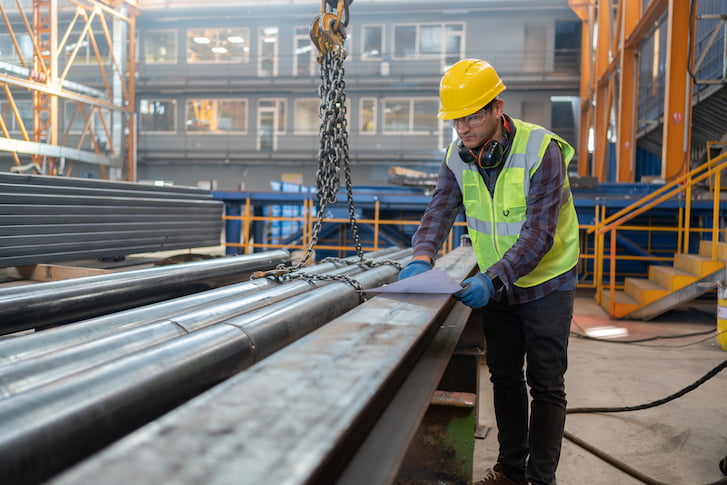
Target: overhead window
8	53
216	115
82	44
271	123
160	47
218	45
25	110
269	40
304	62
373	42
368	116
307	119
410	115
80	118
430	40
157	115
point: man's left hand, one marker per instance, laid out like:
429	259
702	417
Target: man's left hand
477	291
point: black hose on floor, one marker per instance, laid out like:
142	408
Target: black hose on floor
658	402
619	464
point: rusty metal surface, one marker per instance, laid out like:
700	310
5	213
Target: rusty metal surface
380	457
296	417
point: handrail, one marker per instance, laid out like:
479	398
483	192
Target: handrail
626	213
681	185
307	219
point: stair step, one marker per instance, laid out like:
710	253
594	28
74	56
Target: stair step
705	249
625	304
644	291
671	278
699	265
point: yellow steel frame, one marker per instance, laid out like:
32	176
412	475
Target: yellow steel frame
681	187
45	77
307	221
610	84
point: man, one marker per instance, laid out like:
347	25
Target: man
511	177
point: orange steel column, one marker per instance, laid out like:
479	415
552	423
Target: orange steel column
585	11
678	93
628	89
602	108
131	114
45	70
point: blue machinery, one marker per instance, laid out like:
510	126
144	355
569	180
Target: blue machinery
386	216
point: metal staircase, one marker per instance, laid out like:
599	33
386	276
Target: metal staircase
667	287
676	280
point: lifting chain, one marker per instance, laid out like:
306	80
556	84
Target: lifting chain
328	35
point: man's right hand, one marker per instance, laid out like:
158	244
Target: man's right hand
414	267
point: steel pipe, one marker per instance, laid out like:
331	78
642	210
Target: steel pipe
26	374
296	417
59	302
93	408
75	334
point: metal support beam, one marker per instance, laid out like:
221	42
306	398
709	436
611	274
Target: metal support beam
628	89
678	96
610	83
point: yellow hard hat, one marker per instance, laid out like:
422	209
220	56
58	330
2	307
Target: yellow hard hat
467	87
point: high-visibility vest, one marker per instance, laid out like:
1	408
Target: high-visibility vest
494	222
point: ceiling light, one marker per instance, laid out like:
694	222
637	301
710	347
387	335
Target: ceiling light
202	40
219	50
236	39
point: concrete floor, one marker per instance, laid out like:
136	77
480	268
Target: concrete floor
677	443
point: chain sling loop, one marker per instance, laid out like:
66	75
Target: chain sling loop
328	34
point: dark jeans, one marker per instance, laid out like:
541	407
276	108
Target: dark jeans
533	335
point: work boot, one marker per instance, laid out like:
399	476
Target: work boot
496	476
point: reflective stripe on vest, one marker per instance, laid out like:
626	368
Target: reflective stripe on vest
494	223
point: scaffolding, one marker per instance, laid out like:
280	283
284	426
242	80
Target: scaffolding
48	121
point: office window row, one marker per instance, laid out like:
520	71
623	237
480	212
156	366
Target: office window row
78	118
78	50
218	116
215	116
232	45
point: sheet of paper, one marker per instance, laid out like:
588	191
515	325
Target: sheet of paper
432	281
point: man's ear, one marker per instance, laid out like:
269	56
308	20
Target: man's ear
499	107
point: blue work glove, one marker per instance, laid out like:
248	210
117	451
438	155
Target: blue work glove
477	291
414	267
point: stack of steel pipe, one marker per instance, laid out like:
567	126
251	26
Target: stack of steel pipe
50	219
58	302
66	402
297	417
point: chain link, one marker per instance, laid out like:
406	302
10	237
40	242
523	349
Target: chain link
333	160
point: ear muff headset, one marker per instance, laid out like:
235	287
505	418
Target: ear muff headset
490	154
